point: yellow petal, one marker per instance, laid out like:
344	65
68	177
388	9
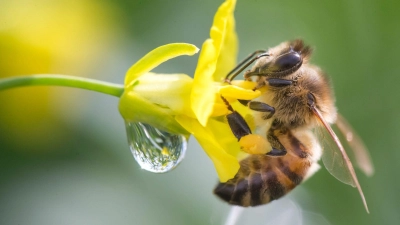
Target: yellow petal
219	109
170	91
203	92
250	85
156	57
224	33
217	57
235	92
224	136
225	164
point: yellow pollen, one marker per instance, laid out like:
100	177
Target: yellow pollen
254	144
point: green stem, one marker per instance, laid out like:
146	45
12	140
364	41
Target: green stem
62	80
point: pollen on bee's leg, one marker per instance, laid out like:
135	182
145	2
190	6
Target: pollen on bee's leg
254	144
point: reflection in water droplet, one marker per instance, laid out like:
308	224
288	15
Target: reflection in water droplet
155	150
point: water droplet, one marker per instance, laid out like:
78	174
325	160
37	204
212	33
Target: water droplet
155	150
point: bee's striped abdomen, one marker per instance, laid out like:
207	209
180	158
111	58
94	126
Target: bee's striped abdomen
262	178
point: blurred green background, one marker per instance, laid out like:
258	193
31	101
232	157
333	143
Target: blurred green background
64	156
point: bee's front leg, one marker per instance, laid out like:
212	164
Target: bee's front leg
273	82
259	107
238	125
277	82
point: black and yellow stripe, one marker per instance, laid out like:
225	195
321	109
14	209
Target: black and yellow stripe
262	179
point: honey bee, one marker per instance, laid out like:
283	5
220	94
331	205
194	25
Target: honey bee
298	100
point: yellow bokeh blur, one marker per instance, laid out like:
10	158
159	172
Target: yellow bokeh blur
48	37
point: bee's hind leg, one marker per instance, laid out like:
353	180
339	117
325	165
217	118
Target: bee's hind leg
277	148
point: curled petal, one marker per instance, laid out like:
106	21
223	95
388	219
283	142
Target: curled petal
224	29
156	57
217	57
203	92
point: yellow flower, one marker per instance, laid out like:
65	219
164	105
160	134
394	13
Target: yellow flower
217	58
178	104
155	99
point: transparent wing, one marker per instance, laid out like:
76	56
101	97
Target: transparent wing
332	158
336	159
356	145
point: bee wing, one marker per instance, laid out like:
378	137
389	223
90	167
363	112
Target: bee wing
336	160
360	152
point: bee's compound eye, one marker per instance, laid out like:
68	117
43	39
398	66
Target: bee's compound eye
288	61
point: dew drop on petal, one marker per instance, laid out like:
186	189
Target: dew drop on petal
155	150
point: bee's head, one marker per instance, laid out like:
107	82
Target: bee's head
285	59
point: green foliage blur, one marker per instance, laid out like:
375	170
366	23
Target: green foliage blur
64	157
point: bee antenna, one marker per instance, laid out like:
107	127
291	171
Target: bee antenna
244	64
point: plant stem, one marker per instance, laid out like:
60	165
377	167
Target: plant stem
62	80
